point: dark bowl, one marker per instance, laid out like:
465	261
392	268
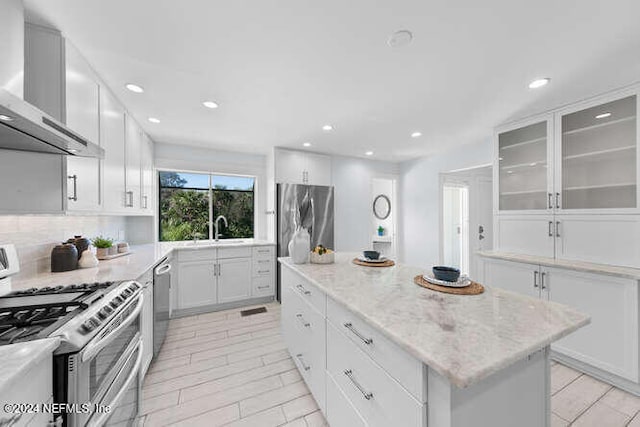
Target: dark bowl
371	254
448	274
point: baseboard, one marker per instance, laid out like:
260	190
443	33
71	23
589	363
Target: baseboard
614	380
185	312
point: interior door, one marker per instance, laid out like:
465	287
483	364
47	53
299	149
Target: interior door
234	279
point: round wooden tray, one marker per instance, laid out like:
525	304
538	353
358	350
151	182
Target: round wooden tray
474	288
387	263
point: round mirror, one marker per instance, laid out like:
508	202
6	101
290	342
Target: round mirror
381	206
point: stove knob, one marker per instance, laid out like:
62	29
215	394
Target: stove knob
85	328
107	309
102	314
94	321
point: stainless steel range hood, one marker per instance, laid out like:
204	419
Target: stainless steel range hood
26	128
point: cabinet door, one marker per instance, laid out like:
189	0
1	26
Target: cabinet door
598	148
604	239
524	167
610	341
196	284
234	279
147	199
112	136
290	166
133	147
318	168
525	234
512	276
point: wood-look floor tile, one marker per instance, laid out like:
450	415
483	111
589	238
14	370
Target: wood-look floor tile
635	422
270	418
299	407
161	365
162	401
179	371
210	402
214	418
600	415
241	346
219	385
254	327
277	397
300	422
290	377
316	419
622	401
561	376
575	398
556	421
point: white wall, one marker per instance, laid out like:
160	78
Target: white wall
353	179
186	158
420	202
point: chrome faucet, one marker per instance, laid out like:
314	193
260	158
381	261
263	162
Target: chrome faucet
226	224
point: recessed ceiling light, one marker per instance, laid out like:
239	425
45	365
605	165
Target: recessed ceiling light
327	128
210	104
400	38
134	88
509	172
539	83
72	150
369	153
416	135
501	158
154	120
603	115
5	118
307	144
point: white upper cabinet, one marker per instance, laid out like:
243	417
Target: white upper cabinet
112	127
598	147
82	116
147	193
133	152
523	167
298	167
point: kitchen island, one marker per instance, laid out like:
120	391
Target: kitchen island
378	350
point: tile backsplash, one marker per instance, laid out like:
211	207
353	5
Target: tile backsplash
35	235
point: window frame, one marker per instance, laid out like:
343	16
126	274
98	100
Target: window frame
210	199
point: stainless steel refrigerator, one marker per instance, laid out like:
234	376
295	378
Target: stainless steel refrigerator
309	206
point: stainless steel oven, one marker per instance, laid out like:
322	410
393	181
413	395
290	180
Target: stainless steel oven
100	381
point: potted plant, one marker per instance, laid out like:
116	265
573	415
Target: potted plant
103	245
380	231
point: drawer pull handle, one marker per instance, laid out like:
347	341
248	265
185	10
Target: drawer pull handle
302	321
263	271
264	287
303	290
304	366
367	395
262	261
365	340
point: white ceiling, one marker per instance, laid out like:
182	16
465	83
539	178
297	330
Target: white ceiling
280	69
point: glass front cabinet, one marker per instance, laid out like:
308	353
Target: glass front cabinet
566	182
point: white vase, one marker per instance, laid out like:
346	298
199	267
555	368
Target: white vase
88	259
300	246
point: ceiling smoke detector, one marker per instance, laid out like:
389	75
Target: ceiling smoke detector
400	38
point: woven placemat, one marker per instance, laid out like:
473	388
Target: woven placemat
386	263
474	288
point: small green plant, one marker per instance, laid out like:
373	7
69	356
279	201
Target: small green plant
102	242
380	230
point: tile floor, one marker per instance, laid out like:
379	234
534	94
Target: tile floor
220	369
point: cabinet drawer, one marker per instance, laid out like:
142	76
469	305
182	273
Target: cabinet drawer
263	286
340	411
309	293
406	369
197	255
380	399
244	252
307	335
263	252
263	266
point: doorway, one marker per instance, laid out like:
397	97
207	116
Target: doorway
466	225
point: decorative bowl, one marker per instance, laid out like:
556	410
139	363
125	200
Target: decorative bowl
448	274
326	258
371	254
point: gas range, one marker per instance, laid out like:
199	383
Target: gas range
75	312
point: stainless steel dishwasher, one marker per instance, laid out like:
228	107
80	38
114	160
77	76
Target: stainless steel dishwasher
161	303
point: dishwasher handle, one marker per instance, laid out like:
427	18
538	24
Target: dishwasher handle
163	269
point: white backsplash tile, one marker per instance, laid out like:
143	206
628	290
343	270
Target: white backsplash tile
35	236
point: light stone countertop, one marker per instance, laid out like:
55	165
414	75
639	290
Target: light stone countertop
587	267
465	338
129	267
18	358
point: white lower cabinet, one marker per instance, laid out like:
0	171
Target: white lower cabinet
351	370
234	279
609	345
211	277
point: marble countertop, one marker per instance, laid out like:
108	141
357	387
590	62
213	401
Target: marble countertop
588	267
130	267
18	358
465	338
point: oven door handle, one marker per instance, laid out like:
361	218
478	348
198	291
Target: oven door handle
102	417
95	348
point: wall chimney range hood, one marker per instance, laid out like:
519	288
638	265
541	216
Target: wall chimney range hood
26	128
